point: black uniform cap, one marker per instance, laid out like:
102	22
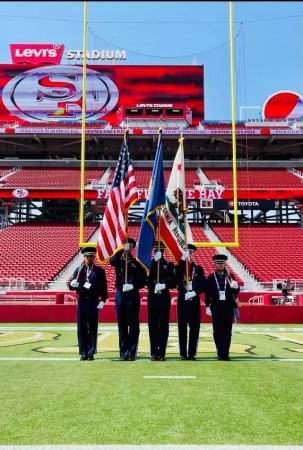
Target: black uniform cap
131	241
220	258
192	247
86	251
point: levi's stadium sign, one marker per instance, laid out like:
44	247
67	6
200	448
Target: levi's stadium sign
97	54
36	53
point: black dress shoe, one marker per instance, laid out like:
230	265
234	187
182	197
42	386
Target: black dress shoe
123	358
131	358
191	358
83	358
183	358
90	358
154	358
161	358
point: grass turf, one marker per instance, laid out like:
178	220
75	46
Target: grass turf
110	402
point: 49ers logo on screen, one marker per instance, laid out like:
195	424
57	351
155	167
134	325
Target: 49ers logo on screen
54	93
36	53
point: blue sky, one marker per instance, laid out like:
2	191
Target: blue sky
268	46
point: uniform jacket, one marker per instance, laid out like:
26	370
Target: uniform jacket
197	277
97	279
136	274
212	291
167	275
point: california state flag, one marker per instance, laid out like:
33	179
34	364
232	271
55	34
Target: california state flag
174	230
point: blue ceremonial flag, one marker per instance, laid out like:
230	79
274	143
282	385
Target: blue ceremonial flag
155	199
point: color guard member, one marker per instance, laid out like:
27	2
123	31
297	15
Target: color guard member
191	284
90	283
130	277
220	299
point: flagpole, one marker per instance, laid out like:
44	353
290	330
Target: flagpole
83	120
181	139
126	224
158	228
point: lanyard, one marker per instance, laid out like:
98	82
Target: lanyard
225	282
88	271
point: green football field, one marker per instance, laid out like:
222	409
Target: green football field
48	396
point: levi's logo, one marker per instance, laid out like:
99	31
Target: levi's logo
36	53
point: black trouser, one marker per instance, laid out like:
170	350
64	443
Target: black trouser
222	319
189	314
87	326
158	307
128	310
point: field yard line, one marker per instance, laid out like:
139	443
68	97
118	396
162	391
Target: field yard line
143	326
199	360
150	447
169	376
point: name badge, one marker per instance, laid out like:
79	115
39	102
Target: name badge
190	285
222	295
87	285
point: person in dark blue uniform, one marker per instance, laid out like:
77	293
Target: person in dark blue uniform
130	277
191	283
220	299
90	283
160	280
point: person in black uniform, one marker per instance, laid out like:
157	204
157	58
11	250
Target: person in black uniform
130	277
220	299
90	283
160	280
191	283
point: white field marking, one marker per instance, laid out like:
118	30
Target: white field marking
140	361
170	376
143	326
35	336
150	447
103	336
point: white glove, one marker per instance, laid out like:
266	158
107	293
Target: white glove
157	256
74	283
208	311
101	305
185	255
189	295
159	287
126	246
127	287
234	285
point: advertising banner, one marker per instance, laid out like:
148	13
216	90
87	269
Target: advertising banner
36	53
54	93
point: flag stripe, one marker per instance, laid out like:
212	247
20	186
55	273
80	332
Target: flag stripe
122	196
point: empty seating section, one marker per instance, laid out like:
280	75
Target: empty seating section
268	251
39	251
4	170
255	178
191	177
143	177
45	178
203	256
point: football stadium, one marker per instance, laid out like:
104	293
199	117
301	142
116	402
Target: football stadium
75	129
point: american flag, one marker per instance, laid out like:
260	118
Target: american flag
123	195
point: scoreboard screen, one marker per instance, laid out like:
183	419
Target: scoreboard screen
53	93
